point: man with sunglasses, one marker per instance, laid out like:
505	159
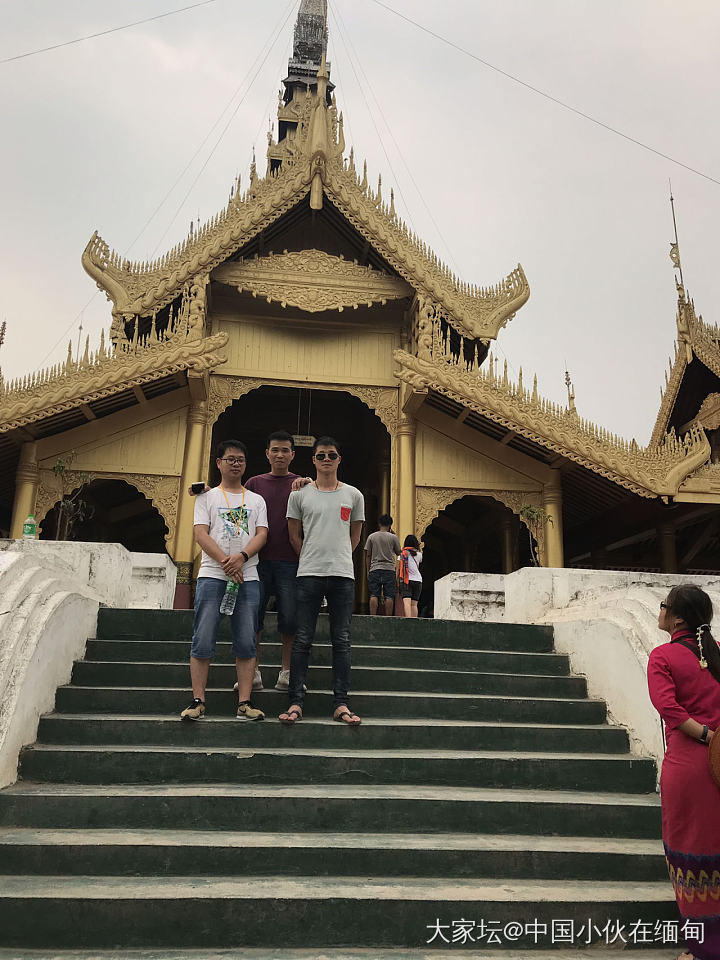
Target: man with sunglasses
325	520
231	528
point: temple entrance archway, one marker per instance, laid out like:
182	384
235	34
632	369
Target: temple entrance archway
472	534
363	438
110	511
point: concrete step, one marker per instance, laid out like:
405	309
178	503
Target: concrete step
429	706
88	673
390	808
376	734
225	854
258	764
177	625
288	913
364	655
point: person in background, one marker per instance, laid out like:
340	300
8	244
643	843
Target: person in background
381	549
684	684
410	578
231	528
325	520
278	563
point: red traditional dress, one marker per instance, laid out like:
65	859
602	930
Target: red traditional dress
681	690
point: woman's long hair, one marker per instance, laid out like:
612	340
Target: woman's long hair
694	606
412	542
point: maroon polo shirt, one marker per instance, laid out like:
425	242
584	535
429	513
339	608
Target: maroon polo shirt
275	491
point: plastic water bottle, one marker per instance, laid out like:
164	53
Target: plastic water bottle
30	528
231	594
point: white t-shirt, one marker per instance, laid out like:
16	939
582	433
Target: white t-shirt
413	567
231	528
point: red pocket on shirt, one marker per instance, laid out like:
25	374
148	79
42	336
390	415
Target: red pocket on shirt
345	513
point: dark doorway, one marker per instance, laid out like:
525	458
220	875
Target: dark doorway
110	511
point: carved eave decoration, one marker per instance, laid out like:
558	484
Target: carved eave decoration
73	384
649	472
312	280
315	167
695	339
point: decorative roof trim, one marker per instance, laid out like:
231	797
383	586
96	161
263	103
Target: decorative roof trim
646	472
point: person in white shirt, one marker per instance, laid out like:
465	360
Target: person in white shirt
410	580
231	528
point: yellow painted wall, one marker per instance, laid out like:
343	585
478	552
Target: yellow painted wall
319	353
154	447
443	462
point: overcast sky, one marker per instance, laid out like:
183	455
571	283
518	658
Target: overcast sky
94	135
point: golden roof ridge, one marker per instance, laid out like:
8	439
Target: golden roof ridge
649	471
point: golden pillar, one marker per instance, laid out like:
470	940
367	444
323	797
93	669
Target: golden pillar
184	547
406	470
26	483
552	505
509	543
384	498
668	549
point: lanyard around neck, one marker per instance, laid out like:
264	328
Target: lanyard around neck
242	507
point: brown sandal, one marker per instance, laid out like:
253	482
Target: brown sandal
345	715
293	715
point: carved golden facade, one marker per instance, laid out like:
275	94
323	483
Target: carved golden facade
374	314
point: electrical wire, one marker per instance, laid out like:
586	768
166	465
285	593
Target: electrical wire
547	96
278	29
280	23
419	192
104	33
225	129
372	116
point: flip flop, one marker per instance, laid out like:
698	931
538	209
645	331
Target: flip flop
347	717
293	715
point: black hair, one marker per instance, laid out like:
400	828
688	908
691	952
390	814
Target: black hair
325	442
226	445
690	603
385	520
282	436
411	541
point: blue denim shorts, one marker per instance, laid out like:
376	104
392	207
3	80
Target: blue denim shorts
208	597
279	577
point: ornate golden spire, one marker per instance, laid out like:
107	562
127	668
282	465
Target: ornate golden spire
571	393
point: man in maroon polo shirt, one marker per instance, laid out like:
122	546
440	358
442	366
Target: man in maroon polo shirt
278	563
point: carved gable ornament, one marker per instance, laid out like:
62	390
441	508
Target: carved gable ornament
312	280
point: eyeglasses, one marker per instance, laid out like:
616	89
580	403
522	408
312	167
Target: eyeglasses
663	605
233	461
329	456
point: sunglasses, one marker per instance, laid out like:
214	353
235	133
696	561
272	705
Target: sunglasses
663	605
327	456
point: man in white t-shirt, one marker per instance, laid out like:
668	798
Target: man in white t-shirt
231	528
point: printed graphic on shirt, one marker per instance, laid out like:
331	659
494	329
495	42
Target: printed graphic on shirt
345	513
234	519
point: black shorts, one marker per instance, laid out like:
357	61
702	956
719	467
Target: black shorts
411	590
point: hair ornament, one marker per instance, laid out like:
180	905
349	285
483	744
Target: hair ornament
703	661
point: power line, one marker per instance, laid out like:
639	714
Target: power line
280	23
547	96
279	27
226	127
372	117
104	33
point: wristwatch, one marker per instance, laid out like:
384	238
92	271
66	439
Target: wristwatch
243	554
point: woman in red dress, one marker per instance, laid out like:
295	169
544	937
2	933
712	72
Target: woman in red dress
684	683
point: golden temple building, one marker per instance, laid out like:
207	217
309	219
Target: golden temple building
306	304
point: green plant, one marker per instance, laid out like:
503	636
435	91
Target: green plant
534	519
73	506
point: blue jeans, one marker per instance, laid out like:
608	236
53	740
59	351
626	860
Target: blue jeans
208	597
279	577
340	594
